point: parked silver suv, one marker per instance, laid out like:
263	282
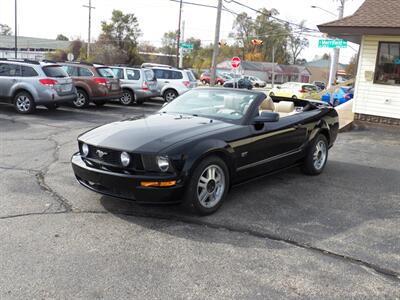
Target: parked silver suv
174	82
26	83
138	84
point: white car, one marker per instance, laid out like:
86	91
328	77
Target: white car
257	82
173	82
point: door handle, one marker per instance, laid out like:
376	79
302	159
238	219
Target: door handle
166	81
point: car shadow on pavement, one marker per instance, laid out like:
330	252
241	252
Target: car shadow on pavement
335	209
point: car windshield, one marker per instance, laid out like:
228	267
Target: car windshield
225	105
106	72
55	71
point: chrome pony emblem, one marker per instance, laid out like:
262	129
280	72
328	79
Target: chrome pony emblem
101	153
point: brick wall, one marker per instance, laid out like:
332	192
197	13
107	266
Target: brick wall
377	119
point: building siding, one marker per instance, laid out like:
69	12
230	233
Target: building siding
370	98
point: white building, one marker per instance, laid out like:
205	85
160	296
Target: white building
29	48
375	26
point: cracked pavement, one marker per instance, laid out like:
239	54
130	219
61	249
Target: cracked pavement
289	236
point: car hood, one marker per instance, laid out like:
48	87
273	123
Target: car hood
150	134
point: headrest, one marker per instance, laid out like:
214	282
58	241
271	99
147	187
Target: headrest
230	102
267	104
285	106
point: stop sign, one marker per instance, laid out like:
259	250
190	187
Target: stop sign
235	62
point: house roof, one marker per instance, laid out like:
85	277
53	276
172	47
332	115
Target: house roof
323	63
7	42
378	17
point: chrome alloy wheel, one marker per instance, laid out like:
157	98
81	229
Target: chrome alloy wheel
23	103
319	156
169	96
211	186
80	100
126	98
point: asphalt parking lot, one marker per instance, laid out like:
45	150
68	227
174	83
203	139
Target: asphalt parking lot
334	236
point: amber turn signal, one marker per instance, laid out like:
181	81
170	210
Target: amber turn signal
158	183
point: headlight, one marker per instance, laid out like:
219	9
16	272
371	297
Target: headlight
125	159
163	163
85	150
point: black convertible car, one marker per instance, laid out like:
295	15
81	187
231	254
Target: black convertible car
199	145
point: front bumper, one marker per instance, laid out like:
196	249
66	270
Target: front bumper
125	186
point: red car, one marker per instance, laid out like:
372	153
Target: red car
205	78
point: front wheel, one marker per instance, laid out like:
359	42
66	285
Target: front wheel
317	156
170	95
208	186
128	97
82	99
24	103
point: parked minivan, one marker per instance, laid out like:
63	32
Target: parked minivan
138	84
174	82
26	84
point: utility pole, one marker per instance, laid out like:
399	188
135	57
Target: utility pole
336	51
273	66
181	49
15	33
90	7
178	36
216	40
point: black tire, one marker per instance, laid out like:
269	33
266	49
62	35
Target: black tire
128	97
170	95
271	94
310	167
51	106
82	99
294	97
99	103
256	85
191	196
24	103
204	82
336	103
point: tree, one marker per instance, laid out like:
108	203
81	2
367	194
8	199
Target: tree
326	56
76	49
147	47
351	68
62	37
122	32
168	42
297	42
243	27
5	29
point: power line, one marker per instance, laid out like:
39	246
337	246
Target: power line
271	16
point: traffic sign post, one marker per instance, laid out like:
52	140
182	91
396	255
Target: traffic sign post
332	44
235	62
186	46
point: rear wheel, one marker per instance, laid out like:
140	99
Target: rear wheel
82	99
294	97
204	82
271	94
336	102
24	103
170	95
208	186
317	156
128	97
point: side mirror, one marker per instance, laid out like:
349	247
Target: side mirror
266	117
278	87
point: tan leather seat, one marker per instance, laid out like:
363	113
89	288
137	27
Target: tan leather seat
267	105
285	108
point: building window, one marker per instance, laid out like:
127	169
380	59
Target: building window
387	69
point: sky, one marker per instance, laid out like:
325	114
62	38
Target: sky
48	18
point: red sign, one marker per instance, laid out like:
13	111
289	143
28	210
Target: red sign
235	62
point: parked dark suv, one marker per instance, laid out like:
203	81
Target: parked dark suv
94	83
27	83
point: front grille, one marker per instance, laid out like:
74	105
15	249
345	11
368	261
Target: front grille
111	159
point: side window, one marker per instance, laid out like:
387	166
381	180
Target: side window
159	73
71	70
28	72
132	74
149	75
176	75
119	73
4	69
85	72
15	70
